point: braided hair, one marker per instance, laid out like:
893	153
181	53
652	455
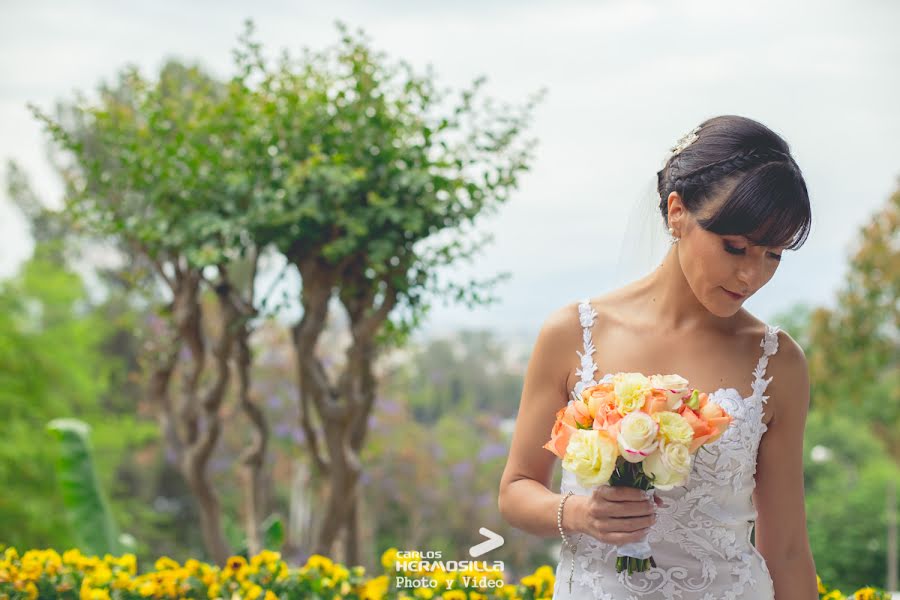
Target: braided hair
747	170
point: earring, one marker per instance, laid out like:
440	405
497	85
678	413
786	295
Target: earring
672	232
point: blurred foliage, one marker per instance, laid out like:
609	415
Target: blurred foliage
854	349
53	363
468	373
87	509
845	480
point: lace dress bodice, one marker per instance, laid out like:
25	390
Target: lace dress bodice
701	538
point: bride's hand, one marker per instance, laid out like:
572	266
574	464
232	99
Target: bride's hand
617	514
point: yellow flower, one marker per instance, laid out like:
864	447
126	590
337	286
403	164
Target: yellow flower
339	572
833	595
454	595
631	391
821	586
129	563
376	588
673	427
148	588
322	563
214	591
164	563
591	455
547	575
389	559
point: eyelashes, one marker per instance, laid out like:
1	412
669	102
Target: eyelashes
740	251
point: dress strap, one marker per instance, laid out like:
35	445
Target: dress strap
586	315
769	344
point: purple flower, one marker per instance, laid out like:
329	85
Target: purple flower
461	469
492	451
170	455
282	429
299	436
391	407
219	464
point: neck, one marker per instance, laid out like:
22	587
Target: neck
665	296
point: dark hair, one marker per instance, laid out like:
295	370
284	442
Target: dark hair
765	194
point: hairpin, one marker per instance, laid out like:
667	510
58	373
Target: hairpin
685	141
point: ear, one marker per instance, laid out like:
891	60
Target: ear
676	210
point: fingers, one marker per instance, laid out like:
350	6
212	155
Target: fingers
624	525
620	493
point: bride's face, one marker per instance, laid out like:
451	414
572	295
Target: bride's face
722	270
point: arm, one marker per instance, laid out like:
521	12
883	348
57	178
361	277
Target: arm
781	534
525	500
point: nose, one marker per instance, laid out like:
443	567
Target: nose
749	275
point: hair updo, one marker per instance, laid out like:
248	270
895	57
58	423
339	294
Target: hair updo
765	197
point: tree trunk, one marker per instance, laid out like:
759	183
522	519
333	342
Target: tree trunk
343	409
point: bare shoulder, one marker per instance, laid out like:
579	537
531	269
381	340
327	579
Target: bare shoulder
789	386
558	335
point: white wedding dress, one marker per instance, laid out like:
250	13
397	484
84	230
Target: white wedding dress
701	538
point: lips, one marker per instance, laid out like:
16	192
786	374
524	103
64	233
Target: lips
733	295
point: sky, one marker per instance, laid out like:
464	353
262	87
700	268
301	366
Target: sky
624	80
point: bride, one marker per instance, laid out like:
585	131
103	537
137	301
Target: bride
733	200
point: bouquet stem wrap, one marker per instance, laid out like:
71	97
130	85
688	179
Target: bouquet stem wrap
635	557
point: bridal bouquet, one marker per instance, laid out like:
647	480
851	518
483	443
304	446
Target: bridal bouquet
635	431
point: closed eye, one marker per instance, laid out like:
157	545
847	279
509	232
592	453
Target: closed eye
739	251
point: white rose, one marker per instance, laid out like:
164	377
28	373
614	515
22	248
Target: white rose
637	436
675	386
670	465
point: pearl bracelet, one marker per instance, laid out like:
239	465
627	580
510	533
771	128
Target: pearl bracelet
565	540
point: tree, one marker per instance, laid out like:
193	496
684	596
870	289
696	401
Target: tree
369	186
350	167
854	349
146	171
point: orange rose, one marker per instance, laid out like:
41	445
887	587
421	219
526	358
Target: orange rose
702	430
560	434
709	423
657	401
600	401
578	414
716	416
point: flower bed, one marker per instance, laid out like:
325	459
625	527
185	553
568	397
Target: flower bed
45	574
